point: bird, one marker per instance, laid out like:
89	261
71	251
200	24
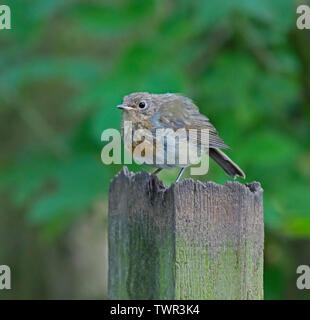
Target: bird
171	111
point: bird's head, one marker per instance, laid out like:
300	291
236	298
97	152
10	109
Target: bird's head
139	106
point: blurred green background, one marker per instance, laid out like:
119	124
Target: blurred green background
64	67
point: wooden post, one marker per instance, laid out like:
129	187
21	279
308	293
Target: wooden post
193	240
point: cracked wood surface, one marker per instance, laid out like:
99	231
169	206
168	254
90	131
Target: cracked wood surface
192	240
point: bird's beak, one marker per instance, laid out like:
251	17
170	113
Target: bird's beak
124	107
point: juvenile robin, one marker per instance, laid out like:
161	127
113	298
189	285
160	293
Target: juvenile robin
173	111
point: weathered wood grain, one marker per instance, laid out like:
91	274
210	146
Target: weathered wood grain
193	240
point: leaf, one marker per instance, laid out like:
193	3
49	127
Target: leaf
269	149
77	71
26	176
78	183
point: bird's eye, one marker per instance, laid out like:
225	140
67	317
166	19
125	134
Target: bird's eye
142	105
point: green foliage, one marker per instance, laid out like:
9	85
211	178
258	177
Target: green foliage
66	65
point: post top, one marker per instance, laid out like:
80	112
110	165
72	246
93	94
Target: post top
252	187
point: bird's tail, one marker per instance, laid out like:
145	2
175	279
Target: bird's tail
226	163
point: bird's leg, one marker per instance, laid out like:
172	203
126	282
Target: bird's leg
180	174
157	171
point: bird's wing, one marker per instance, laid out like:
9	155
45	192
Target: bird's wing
180	112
